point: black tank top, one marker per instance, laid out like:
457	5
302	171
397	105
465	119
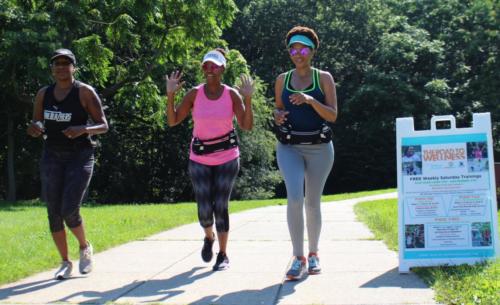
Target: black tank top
59	115
303	117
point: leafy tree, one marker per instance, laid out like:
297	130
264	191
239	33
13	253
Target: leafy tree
402	81
384	66
349	33
124	48
389	59
469	32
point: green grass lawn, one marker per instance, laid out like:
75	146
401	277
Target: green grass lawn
26	246
355	195
478	284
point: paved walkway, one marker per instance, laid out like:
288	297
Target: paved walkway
167	268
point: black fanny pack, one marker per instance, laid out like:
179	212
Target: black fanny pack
227	141
286	135
71	145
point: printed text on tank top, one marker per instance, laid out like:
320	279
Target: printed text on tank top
60	95
59	114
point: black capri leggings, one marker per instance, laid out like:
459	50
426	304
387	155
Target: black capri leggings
212	187
65	177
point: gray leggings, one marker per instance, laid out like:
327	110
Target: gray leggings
310	164
212	186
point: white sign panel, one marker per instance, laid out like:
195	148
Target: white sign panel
447	199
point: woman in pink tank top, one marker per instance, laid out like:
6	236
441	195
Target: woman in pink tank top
214	154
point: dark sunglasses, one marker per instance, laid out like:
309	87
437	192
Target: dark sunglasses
60	63
208	66
303	51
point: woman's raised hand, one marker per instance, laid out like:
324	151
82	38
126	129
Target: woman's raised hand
247	87
174	82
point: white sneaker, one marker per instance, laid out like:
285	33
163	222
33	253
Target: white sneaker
86	260
64	271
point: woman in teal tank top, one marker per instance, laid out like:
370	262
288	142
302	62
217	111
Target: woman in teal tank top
305	99
302	117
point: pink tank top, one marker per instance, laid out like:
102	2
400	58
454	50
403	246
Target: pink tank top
212	119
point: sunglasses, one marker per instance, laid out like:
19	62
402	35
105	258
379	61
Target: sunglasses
60	63
208	66
303	51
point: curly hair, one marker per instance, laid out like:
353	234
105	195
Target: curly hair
303	30
222	51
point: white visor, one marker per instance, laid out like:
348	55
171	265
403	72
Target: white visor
216	57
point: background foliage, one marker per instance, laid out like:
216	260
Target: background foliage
389	58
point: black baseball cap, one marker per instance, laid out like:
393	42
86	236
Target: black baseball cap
63	53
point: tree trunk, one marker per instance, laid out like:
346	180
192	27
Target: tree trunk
11	192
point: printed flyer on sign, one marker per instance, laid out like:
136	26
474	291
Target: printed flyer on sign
447	197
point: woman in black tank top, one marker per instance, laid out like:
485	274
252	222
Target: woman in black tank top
61	114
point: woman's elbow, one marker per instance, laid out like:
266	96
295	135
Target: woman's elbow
332	117
171	122
101	126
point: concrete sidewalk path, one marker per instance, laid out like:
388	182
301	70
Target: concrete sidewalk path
166	268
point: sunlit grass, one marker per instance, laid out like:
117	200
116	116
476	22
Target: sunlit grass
26	246
477	284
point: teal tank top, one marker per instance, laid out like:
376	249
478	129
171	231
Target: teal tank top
303	117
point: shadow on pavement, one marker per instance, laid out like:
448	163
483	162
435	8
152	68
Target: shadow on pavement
162	288
268	296
393	278
27	288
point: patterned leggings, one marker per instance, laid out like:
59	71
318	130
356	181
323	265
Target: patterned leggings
212	187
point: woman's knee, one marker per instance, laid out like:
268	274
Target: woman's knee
55	222
72	218
205	215
295	198
222	220
206	222
313	211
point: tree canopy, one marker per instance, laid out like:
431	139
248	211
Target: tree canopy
389	59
